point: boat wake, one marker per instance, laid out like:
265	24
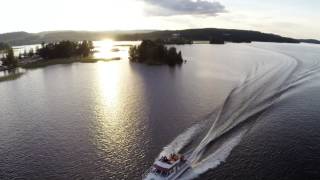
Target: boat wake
216	158
182	140
265	85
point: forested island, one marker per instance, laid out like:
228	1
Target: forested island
47	54
65	49
213	35
155	53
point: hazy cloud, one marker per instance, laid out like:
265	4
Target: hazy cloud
184	7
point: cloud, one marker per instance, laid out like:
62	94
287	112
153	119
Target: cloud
183	7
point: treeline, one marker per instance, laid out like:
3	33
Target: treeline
217	36
216	40
155	52
206	34
31	53
66	49
176	41
4	46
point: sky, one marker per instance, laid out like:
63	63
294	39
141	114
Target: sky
294	18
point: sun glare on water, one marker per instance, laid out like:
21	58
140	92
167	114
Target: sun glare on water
103	48
108	78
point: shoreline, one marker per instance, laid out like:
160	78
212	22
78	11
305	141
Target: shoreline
7	75
48	62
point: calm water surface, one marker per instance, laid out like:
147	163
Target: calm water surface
110	120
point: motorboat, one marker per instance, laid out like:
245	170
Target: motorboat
167	168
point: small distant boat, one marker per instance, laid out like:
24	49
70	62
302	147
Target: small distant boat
167	168
115	50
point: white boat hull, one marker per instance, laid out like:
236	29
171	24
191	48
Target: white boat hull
177	175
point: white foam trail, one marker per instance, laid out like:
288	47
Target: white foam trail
249	99
216	158
182	140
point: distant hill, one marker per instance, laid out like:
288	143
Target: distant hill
231	35
16	38
23	38
207	34
312	41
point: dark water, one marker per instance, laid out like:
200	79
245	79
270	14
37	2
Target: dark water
282	142
111	120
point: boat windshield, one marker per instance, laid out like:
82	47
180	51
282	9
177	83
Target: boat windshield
161	172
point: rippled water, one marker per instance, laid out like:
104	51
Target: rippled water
110	120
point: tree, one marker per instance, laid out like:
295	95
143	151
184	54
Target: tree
91	46
9	59
25	54
37	50
174	57
85	48
133	54
31	53
20	56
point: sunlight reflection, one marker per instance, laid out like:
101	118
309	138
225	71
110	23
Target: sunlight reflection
109	49
115	134
103	48
108	77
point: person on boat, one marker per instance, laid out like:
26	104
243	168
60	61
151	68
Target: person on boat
174	157
165	159
162	158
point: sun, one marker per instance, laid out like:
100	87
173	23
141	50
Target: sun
103	48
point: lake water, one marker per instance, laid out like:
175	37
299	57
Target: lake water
248	106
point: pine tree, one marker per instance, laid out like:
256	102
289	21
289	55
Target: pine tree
10	60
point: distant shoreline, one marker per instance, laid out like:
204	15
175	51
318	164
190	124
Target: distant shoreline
228	35
44	63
